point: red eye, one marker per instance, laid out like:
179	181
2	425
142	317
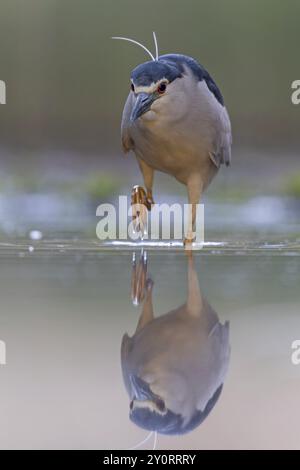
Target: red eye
162	88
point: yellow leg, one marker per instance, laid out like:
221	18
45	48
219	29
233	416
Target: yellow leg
139	278
194	187
148	174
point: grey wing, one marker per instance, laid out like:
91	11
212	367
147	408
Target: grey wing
220	347
127	141
221	153
217	356
226	139
125	350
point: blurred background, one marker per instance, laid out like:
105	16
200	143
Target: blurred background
67	81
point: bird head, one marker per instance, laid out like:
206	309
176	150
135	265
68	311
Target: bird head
151	82
156	85
149	411
167	84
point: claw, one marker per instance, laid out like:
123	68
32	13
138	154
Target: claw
139	205
138	195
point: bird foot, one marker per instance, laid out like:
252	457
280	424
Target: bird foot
140	202
188	242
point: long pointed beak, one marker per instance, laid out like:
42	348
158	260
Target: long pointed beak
141	389
142	104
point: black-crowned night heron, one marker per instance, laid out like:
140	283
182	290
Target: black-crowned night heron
174	365
175	121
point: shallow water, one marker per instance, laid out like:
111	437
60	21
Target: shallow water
66	304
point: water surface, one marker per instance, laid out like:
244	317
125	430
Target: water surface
66	305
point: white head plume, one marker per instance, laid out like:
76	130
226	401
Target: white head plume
142	46
156	45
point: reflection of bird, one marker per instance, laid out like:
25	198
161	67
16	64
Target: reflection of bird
175	121
174	365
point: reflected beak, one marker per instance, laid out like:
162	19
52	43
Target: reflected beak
142	104
140	388
142	392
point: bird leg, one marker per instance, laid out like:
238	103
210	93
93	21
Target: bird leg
139	278
194	187
147	173
141	289
190	236
147	314
194	298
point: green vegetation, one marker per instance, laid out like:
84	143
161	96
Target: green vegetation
292	186
100	186
233	194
